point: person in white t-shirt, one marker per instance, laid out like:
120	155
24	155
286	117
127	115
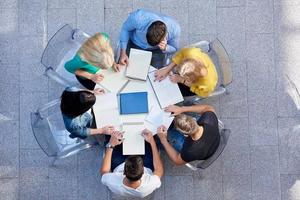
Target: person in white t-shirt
131	178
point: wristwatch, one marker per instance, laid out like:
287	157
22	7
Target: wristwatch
109	145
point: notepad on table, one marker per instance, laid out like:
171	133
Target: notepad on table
113	81
133	103
166	92
139	63
106	110
134	143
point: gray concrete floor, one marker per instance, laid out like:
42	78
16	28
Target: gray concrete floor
262	159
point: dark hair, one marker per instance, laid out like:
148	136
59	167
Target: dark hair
156	32
74	104
134	168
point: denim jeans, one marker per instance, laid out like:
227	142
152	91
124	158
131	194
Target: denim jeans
175	138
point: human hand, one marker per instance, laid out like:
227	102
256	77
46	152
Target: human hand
124	60
116	138
163	44
162	132
117	67
99	91
161	74
109	130
174	110
148	136
97	78
175	78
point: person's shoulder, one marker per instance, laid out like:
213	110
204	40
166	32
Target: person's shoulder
109	178
208	115
151	179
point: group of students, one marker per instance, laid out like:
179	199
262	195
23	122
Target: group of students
190	137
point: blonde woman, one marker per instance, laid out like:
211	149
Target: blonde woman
190	139
195	72
96	53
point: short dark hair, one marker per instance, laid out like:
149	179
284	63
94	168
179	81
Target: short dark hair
156	32
76	103
134	168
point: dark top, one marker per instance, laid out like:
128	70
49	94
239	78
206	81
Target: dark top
207	144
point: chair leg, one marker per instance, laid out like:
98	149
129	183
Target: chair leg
53	162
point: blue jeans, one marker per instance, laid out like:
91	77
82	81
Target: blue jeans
175	138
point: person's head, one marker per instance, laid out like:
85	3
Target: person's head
74	104
186	124
134	168
191	70
97	51
156	33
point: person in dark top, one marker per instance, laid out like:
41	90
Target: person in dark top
189	139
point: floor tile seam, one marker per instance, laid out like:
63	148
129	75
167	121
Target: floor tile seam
19	139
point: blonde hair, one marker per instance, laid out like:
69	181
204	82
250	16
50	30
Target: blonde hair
97	51
191	70
186	124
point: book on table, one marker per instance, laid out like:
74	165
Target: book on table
133	103
166	92
139	63
134	143
106	110
113	81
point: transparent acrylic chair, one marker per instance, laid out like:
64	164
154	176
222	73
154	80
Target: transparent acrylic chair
203	164
220	58
50	133
61	48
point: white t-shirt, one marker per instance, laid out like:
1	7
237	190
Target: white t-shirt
114	181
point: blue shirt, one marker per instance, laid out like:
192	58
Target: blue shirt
136	26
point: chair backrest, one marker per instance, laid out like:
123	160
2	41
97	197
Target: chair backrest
61	48
223	61
224	136
50	133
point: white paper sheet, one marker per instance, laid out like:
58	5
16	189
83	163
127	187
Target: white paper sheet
167	93
106	110
158	117
139	63
113	81
134	143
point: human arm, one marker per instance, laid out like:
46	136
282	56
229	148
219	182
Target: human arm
172	153
173	37
106	163
108	130
162	73
172	45
94	77
198	108
157	163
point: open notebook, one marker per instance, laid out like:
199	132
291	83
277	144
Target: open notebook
134	143
106	110
166	92
113	81
139	63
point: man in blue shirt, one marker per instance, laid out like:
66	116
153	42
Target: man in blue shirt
149	31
